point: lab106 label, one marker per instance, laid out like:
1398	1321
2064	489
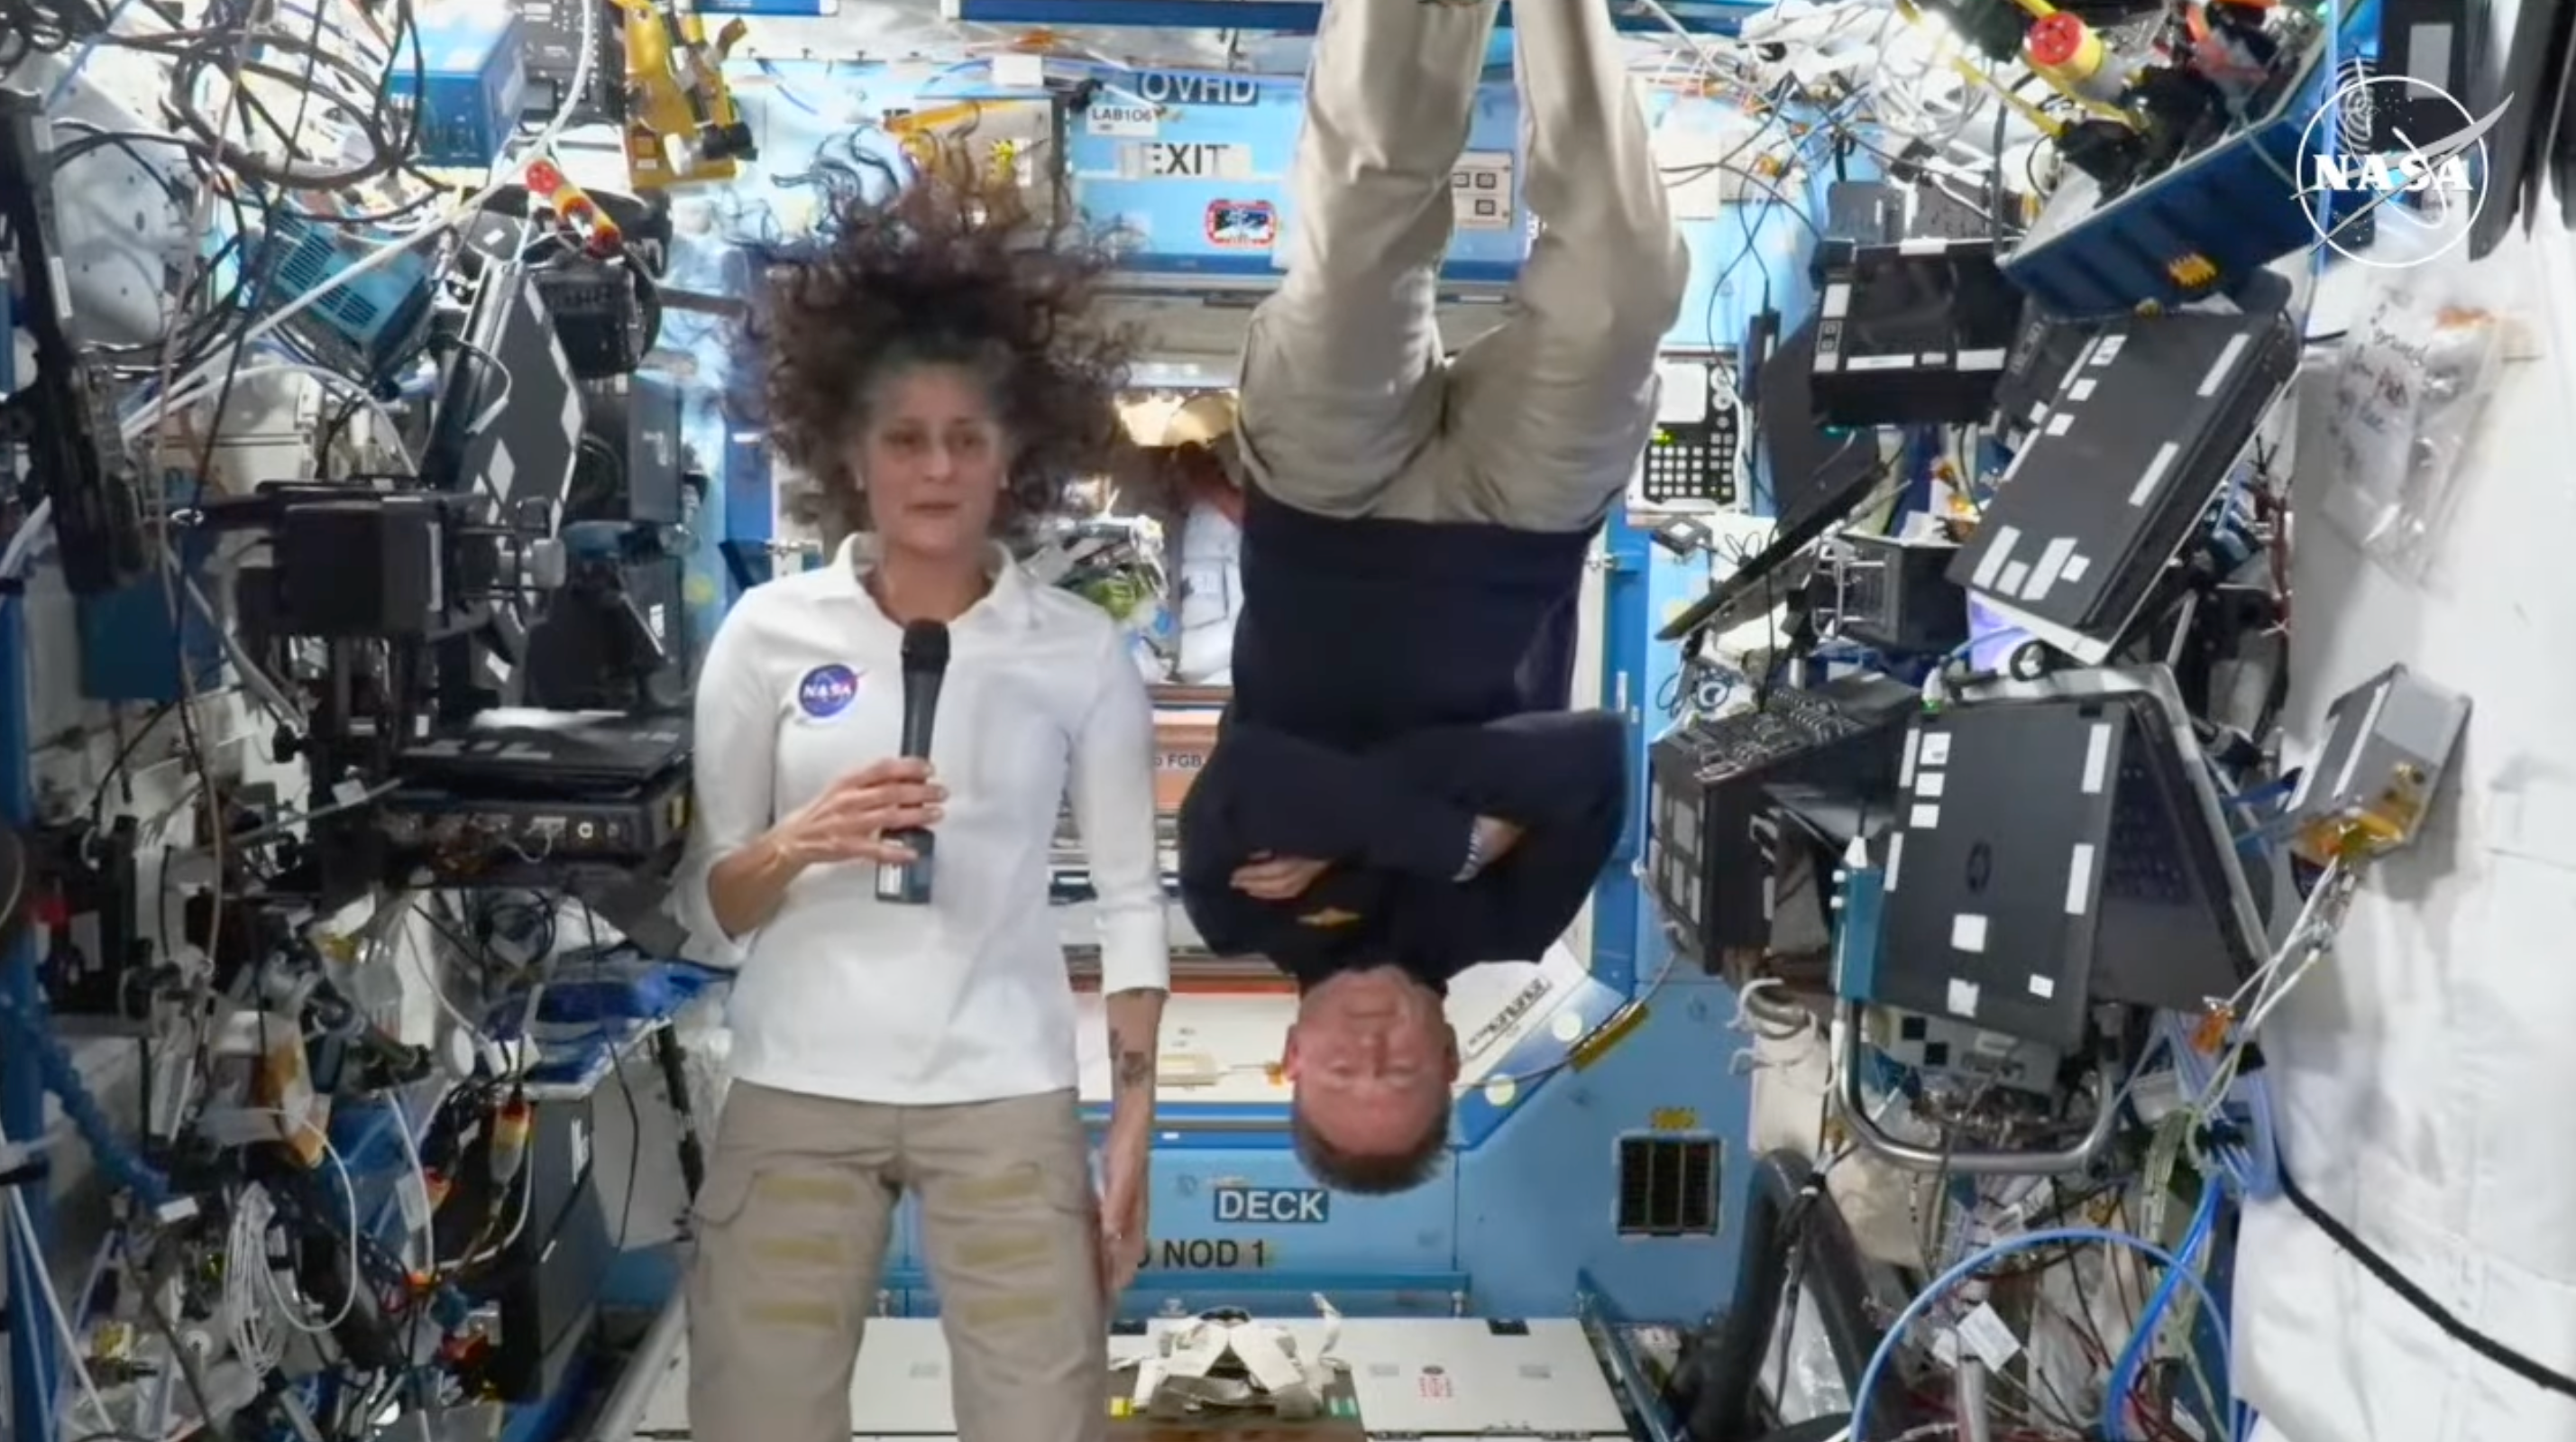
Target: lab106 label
1123	121
1291	1205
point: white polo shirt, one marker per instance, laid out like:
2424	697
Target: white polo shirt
965	999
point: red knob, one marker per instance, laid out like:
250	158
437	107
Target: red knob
2056	40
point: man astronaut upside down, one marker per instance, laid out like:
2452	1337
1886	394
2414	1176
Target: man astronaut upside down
1399	791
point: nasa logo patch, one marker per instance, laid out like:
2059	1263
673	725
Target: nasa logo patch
827	691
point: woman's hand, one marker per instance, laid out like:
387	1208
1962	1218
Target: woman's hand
849	821
1277	878
1126	1166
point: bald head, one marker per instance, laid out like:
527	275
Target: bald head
1372	1059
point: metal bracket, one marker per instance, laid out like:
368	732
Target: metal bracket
1853	1103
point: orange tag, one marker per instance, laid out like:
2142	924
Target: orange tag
2211	1033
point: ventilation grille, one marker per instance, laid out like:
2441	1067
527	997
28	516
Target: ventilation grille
1667	1187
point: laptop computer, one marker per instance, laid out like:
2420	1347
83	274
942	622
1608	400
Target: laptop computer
2060	845
2140	435
549	754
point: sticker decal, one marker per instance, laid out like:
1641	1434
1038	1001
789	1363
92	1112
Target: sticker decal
827	691
1242	224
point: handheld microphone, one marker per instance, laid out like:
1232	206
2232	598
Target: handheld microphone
925	666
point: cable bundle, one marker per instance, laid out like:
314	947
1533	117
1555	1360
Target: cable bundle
28	26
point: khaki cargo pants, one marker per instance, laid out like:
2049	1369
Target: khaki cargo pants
1351	404
792	1227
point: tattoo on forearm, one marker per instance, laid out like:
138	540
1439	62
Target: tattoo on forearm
1135	1070
1135	1018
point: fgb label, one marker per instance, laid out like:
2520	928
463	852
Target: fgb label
1293	1205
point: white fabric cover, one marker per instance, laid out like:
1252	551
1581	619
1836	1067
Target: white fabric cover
2426	1072
1211	593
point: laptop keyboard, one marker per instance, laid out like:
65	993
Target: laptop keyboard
1791	722
2145	864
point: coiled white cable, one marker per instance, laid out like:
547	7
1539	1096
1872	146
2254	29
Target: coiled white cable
246	1303
289	1305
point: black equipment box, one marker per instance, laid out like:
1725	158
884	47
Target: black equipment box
370	565
2056	851
2102	497
1864	212
598	315
616	640
1707	796
1915	333
1897	595
1875	212
630	461
470	838
551	32
549	1273
607	793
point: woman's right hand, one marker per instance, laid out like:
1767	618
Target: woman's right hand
849	821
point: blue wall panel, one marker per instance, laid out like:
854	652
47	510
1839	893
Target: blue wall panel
1538	1205
1256	120
1507	1231
1248	1222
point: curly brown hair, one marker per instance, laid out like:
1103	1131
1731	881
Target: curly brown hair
950	267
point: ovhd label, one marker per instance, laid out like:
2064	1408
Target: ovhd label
1290	1205
1163	88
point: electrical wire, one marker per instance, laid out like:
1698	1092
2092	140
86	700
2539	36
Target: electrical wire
1941	1287
2142	1341
540	145
27	1250
293	1307
246	1304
